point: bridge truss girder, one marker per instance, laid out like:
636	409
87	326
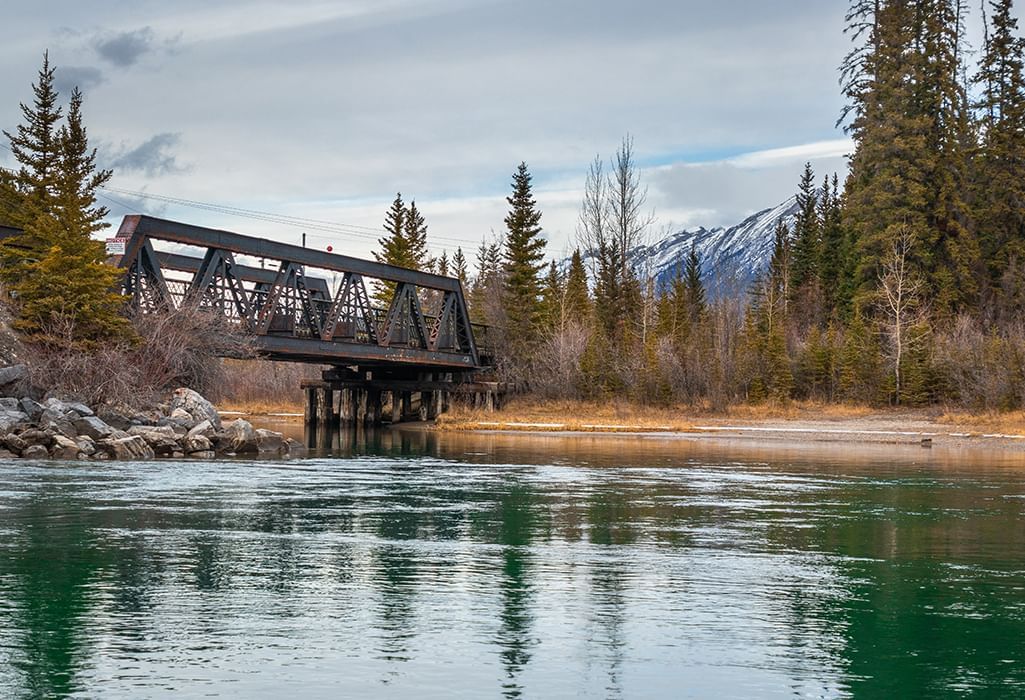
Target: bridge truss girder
295	316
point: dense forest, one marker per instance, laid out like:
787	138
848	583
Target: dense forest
902	284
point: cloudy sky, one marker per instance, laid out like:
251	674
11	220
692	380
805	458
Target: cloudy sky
324	110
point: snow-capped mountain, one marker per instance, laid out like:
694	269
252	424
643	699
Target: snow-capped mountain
731	258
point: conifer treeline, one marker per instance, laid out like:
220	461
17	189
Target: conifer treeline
903	284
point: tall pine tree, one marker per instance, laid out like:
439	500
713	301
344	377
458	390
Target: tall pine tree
999	185
395	249
524	249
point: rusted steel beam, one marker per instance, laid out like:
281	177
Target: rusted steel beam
341	352
137	225
246	273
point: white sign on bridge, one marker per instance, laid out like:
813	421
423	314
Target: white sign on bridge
116	246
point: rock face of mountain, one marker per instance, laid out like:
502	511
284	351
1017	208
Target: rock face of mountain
731	258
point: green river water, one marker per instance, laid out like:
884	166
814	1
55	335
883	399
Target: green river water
419	565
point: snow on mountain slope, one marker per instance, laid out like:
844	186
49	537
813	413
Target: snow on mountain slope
731	258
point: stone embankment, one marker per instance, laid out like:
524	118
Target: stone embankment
188	426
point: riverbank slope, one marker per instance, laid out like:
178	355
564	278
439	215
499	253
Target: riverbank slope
795	421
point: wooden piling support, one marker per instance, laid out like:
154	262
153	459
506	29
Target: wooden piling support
310	414
396	407
322	397
373	406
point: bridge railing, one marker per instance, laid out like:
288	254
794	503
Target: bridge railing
298	315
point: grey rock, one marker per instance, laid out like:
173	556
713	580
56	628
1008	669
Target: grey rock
180	416
7	454
14	443
33	409
13	379
9	403
93	427
204	428
131	447
292	448
193	403
239	437
153	432
36	437
64	448
81	409
55	421
35	452
86	445
9	419
269	442
116	420
161	438
196	443
55	404
203	455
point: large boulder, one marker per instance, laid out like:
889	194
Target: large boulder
93	427
238	437
193	403
269	442
9	418
196	443
163	438
35	452
204	428
291	448
79	408
34	436
53	421
33	409
64	448
86	445
14	443
128	448
14	380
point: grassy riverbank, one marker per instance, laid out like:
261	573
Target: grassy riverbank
803	421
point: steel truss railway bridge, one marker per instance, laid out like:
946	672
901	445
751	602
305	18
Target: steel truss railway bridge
304	305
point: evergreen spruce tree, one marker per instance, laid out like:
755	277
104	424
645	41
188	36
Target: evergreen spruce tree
415	231
695	288
909	168
459	267
835	258
55	268
441	265
524	249
807	233
487	285
394	249
999	185
578	307
551	298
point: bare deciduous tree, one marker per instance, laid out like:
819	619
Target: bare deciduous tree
900	291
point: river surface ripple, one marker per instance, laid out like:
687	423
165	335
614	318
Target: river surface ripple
477	566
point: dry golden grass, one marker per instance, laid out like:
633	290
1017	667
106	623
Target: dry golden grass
261	408
1009	423
525	413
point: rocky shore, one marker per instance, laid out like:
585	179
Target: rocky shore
187	426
